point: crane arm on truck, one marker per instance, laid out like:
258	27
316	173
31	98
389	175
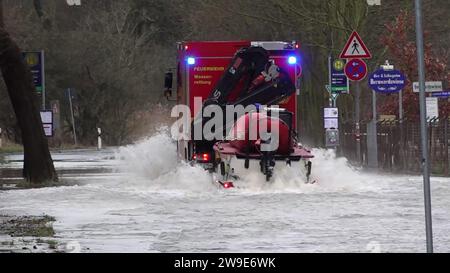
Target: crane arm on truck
265	83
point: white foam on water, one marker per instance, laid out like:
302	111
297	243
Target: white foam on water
152	163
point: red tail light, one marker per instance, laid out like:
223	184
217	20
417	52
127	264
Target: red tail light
205	157
201	157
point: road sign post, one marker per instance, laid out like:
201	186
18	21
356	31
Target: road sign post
356	70
43	78
357	125
423	127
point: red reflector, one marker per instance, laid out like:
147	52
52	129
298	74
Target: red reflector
228	185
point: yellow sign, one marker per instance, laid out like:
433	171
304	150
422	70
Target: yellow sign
339	64
32	59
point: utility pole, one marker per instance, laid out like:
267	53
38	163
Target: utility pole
423	127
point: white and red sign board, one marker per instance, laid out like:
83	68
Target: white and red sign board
355	48
356	70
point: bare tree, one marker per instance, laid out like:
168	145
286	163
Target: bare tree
38	164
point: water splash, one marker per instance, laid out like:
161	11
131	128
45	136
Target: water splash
152	162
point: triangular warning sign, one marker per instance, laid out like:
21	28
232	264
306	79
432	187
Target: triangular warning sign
355	48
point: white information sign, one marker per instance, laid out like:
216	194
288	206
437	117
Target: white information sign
47	116
48	130
432	107
429	87
330	113
329	123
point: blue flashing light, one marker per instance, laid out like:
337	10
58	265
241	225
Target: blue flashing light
190	60
292	60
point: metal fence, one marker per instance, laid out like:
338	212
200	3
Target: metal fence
399	148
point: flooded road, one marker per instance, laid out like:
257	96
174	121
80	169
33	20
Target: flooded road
139	199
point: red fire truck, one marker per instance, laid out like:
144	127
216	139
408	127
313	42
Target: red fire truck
264	74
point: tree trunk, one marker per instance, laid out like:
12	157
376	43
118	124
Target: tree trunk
38	164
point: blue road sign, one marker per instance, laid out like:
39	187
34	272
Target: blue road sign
338	81
356	69
387	81
443	94
35	61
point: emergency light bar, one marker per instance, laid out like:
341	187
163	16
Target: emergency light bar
191	60
292	60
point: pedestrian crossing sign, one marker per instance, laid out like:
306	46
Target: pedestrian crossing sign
355	48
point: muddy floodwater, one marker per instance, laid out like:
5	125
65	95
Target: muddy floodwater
140	199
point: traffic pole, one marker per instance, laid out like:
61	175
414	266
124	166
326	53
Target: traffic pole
372	136
357	124
423	127
330	101
43	78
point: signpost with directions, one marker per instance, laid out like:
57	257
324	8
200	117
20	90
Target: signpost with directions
339	83
35	62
